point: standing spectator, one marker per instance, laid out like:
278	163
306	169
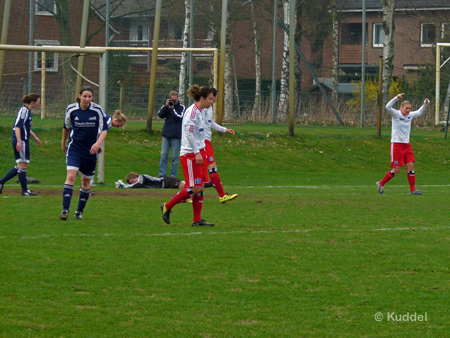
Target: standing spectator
193	156
210	159
401	151
86	126
173	112
20	141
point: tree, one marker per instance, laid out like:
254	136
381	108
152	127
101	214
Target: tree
257	103
388	46
183	62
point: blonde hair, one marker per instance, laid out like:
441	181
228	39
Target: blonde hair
405	102
173	92
131	176
120	117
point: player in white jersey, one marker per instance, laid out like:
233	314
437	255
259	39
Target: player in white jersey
210	158
193	156
401	151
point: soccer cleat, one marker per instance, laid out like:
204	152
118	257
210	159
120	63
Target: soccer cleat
415	192
1	188
202	223
380	188
64	215
165	213
226	198
78	215
28	193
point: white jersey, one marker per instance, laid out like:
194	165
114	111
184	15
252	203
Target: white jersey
401	125
209	123
192	131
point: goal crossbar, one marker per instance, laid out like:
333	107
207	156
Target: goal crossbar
103	76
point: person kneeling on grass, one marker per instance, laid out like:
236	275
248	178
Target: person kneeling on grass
135	180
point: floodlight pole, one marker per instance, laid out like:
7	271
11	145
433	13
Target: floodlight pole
84	26
31	42
363	63
438	83
223	40
151	95
191	45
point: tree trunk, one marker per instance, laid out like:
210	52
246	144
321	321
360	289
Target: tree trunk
228	85
298	42
183	62
335	80
284	91
257	104
388	46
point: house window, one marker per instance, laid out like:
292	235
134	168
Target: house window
445	32
351	34
427	35
51	59
138	31
378	35
45	7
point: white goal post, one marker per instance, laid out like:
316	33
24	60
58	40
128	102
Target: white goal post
438	78
103	76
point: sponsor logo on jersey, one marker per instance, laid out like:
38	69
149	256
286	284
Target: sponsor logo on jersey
93	118
198	181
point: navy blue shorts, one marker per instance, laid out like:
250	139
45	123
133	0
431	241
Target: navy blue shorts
84	164
24	154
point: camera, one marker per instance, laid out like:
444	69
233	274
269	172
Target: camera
171	103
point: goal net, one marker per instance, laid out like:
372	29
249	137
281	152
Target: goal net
52	72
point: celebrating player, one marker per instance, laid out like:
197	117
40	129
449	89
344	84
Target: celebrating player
401	151
210	159
193	156
20	142
86	125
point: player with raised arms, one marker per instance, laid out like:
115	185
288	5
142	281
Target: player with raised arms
401	151
86	127
193	156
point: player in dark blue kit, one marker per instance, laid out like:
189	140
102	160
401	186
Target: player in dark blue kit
20	142
86	126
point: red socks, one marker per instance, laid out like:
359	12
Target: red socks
389	175
412	180
217	183
180	196
197	205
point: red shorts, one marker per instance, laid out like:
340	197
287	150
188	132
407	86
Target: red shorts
401	153
209	153
194	174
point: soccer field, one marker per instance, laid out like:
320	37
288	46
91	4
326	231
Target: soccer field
308	249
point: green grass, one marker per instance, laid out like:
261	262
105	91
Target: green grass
309	249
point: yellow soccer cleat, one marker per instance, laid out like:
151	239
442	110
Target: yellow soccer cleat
227	198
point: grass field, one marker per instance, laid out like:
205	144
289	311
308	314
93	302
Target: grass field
309	249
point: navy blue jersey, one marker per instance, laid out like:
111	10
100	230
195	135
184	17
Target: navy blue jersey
23	122
86	126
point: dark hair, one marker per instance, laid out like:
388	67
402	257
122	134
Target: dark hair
214	91
84	89
27	99
197	92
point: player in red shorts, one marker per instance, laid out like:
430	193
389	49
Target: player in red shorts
210	159
401	151
193	156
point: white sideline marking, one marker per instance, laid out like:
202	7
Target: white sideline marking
168	234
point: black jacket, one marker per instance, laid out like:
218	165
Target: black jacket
174	119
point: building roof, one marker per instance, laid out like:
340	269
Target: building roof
401	5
